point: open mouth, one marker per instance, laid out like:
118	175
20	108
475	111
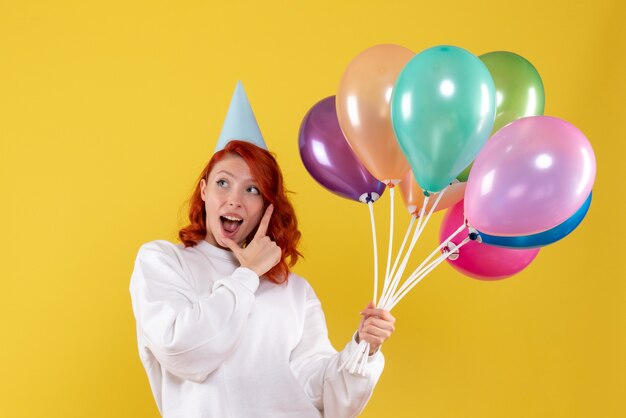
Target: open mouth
230	224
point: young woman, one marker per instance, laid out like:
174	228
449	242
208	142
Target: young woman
224	328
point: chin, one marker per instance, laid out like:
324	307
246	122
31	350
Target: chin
220	243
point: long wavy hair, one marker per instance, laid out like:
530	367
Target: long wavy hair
283	227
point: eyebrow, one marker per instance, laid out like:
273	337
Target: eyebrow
232	175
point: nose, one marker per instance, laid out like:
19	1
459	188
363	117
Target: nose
234	199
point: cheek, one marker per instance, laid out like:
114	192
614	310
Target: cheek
257	210
210	207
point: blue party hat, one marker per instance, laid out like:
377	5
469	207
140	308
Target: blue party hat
240	122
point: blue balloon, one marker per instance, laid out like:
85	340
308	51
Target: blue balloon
543	238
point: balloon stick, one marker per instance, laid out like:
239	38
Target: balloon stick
419	268
414	280
420	227
371	207
414	239
395	264
391	210
364	357
351	362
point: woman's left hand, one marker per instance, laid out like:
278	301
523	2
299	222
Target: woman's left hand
376	326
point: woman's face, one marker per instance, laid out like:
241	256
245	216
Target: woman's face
233	201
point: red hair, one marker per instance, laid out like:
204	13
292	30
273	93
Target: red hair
283	227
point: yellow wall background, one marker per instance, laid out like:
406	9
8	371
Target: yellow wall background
108	111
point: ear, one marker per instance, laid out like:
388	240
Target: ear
203	189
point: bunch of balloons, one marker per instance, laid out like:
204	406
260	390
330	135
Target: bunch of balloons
456	131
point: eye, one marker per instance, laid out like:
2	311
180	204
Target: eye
221	183
253	190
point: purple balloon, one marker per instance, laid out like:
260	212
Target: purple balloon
531	176
329	159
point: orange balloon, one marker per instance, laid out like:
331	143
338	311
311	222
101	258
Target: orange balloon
364	110
413	195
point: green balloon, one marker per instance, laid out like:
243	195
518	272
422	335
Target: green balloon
519	89
465	173
442	111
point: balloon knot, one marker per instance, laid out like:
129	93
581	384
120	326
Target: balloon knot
474	235
451	247
369	197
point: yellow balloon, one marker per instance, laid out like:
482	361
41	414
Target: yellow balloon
364	112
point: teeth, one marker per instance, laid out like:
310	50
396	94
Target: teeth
232	218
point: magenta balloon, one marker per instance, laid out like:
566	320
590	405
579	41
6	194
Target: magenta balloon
482	261
531	176
327	156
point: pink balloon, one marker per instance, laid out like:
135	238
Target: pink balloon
478	260
532	175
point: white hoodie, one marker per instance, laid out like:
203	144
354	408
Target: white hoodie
217	342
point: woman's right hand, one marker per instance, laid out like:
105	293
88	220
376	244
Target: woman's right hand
261	254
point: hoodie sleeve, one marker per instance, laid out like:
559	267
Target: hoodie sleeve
315	364
189	334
